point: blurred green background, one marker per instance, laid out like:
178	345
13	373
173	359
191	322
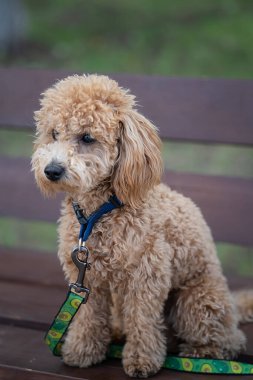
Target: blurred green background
200	38
179	38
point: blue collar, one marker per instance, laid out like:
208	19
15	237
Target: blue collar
87	224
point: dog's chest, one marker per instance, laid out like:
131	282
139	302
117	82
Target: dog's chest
107	261
115	246
112	254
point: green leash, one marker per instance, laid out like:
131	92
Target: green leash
196	365
54	336
54	339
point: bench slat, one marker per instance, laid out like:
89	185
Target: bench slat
22	266
33	290
13	372
44	270
32	284
30	305
226	202
19	195
207	110
34	355
34	306
27	308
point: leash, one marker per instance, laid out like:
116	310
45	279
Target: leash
197	365
78	294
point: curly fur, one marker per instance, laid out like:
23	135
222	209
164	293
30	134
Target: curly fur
155	276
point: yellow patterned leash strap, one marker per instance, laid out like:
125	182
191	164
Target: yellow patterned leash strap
60	325
54	336
78	294
196	365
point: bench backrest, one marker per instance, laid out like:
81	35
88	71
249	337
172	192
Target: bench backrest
200	110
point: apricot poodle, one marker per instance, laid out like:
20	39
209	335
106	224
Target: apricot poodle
155	276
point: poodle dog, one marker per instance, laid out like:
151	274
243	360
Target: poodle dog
155	276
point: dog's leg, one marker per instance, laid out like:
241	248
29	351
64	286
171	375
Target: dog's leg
205	318
116	316
145	347
89	334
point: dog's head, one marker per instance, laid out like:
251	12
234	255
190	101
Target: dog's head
90	135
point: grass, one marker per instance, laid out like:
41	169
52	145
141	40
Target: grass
236	260
212	159
15	233
184	38
16	143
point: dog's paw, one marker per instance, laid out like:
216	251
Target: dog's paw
140	365
82	356
140	369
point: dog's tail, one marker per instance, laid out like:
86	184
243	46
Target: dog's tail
244	303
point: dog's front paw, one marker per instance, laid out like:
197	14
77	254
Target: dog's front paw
140	364
80	355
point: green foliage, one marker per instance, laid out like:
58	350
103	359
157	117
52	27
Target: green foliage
16	143
189	38
15	233
212	159
236	260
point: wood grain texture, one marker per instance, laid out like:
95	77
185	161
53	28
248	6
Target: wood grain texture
35	356
227	203
207	110
30	305
13	373
31	267
28	268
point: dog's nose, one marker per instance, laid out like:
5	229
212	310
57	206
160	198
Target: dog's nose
54	171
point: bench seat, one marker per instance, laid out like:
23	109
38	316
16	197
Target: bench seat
32	286
30	297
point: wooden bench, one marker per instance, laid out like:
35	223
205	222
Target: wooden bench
31	283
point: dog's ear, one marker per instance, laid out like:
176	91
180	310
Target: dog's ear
139	165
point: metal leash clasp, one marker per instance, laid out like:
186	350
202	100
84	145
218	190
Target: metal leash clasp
82	265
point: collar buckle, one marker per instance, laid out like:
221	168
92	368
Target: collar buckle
79	213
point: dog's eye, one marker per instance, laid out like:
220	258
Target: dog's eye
87	139
54	134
